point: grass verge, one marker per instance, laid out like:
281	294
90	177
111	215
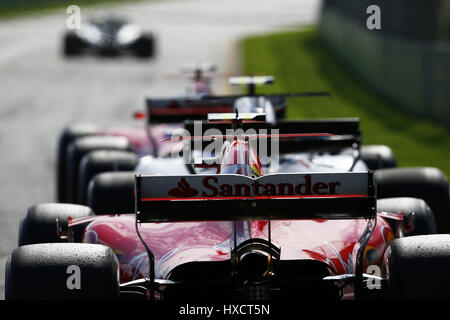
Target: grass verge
300	62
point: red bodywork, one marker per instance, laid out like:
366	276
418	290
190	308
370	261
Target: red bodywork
329	241
141	141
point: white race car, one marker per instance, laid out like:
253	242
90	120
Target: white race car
109	35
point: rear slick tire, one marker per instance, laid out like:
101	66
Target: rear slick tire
423	218
81	147
62	271
100	161
39	223
68	135
378	157
429	184
417	268
112	193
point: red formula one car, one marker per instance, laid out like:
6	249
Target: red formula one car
238	233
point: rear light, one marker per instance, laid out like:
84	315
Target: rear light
139	115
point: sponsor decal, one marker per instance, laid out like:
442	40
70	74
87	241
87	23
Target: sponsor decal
183	190
257	189
232	186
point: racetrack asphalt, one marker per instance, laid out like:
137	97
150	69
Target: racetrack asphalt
41	92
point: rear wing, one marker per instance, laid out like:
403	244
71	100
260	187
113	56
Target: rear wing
193	67
349	195
172	110
338	126
346	128
178	110
236	117
251	80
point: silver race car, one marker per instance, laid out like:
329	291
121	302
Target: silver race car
109	35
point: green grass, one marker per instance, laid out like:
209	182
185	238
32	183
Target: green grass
17	8
300	62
